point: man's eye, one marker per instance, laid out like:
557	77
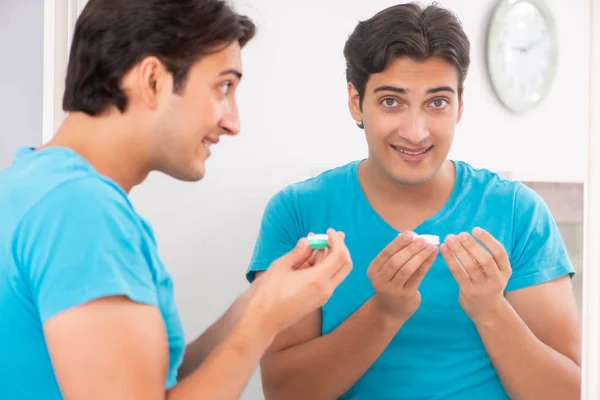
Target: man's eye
225	87
439	103
389	102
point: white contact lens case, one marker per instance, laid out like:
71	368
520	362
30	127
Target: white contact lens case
432	239
317	242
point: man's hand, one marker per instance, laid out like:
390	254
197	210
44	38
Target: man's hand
317	255
397	272
289	289
481	272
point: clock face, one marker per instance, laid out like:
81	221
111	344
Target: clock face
521	53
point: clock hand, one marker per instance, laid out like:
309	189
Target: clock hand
520	49
525	49
535	44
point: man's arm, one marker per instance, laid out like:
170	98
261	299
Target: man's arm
531	334
116	348
198	350
226	370
302	364
534	342
111	348
130	361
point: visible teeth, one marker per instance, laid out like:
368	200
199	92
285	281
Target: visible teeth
410	153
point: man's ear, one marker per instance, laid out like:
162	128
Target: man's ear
354	104
153	80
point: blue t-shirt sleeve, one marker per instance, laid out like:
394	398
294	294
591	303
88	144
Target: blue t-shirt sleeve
539	254
82	242
279	231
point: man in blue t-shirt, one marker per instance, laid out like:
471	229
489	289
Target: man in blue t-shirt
87	308
489	314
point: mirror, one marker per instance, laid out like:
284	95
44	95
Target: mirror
296	124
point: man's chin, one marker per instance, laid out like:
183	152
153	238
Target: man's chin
412	177
194	177
412	181
188	175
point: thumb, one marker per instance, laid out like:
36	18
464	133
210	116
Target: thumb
297	256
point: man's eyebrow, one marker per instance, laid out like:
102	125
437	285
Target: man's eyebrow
400	90
232	71
390	89
441	89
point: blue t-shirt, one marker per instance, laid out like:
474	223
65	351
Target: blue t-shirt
67	236
438	352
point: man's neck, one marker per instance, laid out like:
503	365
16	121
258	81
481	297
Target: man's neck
108	144
406	206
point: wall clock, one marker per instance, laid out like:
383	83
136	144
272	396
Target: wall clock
521	53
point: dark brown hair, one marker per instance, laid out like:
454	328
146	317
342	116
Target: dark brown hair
405	30
111	36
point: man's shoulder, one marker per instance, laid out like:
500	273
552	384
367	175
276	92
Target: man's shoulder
326	184
492	188
92	190
485	180
36	177
77	212
60	194
87	200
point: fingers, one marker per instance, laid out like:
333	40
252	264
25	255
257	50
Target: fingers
397	261
459	273
315	257
473	269
480	255
334	266
416	277
312	260
403	240
338	256
320	255
296	257
495	247
342	273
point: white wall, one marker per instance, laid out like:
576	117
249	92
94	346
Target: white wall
21	65
295	121
549	143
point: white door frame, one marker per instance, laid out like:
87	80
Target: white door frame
591	247
59	21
